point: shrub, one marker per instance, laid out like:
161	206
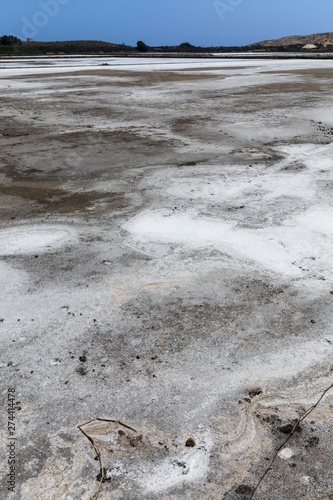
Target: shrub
141	46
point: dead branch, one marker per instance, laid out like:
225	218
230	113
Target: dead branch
98	453
306	414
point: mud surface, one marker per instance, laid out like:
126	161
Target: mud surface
166	265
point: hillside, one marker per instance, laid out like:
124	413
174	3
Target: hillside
65	47
316	39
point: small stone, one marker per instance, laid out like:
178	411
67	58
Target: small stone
190	443
286	453
83	359
313	321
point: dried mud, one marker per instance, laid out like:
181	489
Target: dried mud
174	338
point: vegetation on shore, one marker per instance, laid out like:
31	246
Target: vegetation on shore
10	45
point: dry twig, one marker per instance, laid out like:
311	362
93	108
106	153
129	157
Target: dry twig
98	453
306	414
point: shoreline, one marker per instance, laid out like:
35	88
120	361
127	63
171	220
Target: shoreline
174	55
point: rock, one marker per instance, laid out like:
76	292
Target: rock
190	443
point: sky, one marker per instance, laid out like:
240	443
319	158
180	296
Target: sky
165	22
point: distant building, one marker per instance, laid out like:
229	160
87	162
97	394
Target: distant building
29	39
310	46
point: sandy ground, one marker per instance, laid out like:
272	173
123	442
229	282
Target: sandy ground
166	263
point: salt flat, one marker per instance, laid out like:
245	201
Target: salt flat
166	263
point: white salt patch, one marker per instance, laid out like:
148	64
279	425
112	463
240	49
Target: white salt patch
30	239
303	245
301	185
40	65
314	156
318	220
191	465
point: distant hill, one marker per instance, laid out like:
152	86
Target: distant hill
315	39
66	47
74	46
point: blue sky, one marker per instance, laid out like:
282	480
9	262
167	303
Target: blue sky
165	22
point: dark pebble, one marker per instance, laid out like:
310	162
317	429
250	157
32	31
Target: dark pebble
190	443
